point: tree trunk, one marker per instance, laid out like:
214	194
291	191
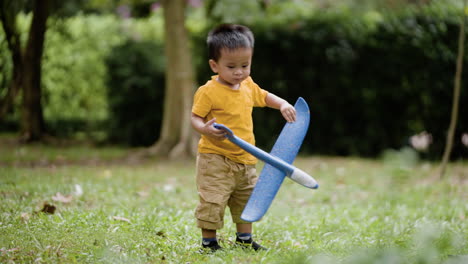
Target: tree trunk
176	136
8	19
32	120
456	95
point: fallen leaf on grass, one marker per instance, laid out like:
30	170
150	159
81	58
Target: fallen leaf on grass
168	188
48	208
107	174
25	216
4	250
58	197
143	194
298	245
78	190
119	218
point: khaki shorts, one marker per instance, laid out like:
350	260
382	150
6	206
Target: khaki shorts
222	182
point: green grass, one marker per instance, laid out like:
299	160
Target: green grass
14	154
365	211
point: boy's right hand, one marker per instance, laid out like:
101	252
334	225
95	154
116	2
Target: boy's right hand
210	131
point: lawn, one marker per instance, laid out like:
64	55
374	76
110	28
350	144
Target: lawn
84	204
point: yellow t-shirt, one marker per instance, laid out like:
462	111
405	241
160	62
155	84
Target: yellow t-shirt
232	108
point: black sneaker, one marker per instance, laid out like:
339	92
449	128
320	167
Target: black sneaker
247	244
212	247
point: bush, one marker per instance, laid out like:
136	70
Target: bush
135	91
369	85
74	70
371	80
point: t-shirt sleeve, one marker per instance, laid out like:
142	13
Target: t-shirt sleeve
259	95
201	103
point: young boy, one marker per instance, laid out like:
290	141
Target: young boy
226	174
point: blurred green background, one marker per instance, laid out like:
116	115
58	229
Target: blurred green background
374	72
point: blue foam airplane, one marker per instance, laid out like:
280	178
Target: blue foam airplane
278	163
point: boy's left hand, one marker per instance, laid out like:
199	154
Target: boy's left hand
288	112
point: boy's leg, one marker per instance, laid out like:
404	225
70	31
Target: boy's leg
212	181
244	237
207	233
209	240
244	228
246	181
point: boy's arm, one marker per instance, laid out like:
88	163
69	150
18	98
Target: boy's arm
207	129
287	110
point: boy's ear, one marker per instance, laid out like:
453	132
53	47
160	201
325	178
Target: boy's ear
213	65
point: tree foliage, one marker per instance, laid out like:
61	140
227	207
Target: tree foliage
371	81
351	65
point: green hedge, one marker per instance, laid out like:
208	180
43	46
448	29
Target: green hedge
135	91
74	69
370	86
368	94
371	80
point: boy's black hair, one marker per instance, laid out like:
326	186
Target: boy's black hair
228	36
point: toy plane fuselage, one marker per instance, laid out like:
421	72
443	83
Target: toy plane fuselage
278	163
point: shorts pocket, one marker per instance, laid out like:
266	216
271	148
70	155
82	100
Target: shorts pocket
252	175
205	160
211	207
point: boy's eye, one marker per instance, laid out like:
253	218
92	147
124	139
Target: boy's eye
230	67
245	66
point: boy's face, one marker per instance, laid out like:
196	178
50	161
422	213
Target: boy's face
233	66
